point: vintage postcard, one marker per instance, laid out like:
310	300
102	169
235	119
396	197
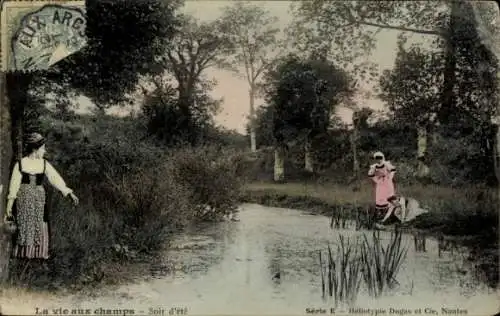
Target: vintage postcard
176	157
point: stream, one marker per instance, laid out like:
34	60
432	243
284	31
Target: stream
267	264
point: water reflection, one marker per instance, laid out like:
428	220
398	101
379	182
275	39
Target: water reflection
268	264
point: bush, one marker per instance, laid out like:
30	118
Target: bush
133	197
474	212
213	177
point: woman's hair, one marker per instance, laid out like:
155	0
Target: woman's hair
33	142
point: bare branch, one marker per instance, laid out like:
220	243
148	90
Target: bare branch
404	29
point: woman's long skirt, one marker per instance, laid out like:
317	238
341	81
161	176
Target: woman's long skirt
384	189
32	239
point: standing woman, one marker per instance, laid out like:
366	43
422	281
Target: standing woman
382	173
26	189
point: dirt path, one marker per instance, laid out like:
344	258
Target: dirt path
24	302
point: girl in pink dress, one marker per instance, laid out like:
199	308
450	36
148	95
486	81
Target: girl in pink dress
382	173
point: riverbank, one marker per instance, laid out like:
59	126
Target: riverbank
468	217
241	259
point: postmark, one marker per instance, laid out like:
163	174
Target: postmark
37	34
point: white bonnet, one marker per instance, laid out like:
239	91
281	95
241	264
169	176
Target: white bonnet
378	154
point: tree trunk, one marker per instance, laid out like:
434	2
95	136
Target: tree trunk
423	168
497	153
308	158
354	151
17	86
185	122
279	163
448	94
5	162
13	97
491	42
253	133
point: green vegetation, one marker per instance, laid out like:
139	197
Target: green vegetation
343	279
133	194
381	264
358	263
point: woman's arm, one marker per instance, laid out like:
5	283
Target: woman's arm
371	174
15	183
391	169
56	180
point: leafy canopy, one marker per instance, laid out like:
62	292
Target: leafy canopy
303	94
124	38
252	31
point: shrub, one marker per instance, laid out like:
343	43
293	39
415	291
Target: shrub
474	212
213	177
133	197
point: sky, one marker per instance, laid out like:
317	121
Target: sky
234	90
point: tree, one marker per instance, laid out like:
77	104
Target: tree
124	40
194	49
349	28
412	92
303	94
360	117
164	114
252	31
263	125
347	31
332	86
486	17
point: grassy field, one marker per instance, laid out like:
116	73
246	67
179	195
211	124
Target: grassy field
343	194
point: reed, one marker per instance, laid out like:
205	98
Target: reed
340	217
380	264
342	277
366	217
322	275
419	240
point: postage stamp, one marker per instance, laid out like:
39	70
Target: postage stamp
37	34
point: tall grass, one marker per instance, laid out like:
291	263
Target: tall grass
381	264
376	265
341	278
340	217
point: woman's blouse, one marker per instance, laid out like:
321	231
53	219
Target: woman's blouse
389	167
36	166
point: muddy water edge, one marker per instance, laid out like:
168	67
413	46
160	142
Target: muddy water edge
267	263
482	250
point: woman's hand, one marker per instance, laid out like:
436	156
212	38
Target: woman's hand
8	218
73	198
8	211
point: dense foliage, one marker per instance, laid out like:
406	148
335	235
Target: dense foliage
134	194
302	95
